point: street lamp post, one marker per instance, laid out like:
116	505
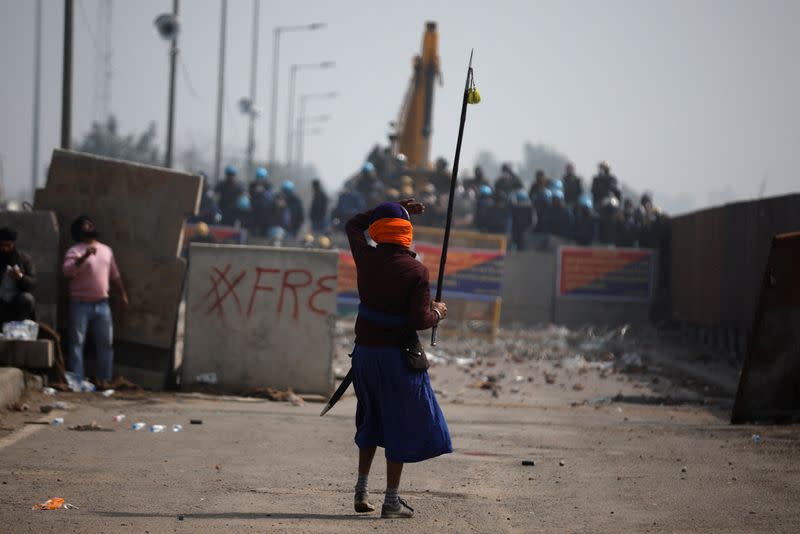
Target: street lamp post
273	115
220	89
173	55
292	78
66	78
251	137
301	119
168	27
37	79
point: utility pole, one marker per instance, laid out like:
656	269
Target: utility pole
220	90
66	78
251	137
273	112
37	80
173	55
290	113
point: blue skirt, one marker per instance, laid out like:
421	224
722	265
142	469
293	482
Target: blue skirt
397	409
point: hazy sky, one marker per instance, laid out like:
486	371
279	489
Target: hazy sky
693	98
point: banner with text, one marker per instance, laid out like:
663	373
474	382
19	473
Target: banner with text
618	274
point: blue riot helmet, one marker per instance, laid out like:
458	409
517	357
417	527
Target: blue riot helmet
287	186
485	191
276	232
261	173
556	185
585	200
557	194
368	167
522	196
230	170
243	203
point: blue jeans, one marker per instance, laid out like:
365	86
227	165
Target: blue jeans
99	315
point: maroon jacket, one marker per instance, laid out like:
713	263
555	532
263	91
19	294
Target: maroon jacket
390	281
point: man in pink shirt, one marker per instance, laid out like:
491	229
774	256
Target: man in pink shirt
89	267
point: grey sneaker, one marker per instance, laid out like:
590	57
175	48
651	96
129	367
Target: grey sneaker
401	511
361	503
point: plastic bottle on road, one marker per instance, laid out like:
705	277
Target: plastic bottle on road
177	428
138	426
157	428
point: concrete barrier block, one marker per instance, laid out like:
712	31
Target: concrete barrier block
26	354
260	317
140	211
12	385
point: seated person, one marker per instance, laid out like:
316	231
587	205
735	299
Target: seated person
17	280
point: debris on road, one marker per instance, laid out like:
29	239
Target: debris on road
18	407
177	428
91	427
118	418
57	421
195	421
275	395
138	426
157	428
632	362
120	383
107	393
562	463
756	439
49	391
528	462
50	504
294	399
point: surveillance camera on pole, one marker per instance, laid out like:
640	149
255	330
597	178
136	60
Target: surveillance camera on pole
168	26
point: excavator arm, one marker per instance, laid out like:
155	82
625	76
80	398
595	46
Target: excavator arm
415	124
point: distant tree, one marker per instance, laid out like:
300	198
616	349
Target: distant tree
104	139
194	160
543	157
489	163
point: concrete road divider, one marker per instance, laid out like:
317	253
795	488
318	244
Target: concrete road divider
260	317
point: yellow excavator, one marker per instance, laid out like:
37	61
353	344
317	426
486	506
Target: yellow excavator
408	152
412	134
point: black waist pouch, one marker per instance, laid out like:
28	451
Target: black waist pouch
414	356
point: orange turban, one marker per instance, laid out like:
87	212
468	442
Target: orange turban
394	231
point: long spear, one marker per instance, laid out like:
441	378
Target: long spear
471	97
